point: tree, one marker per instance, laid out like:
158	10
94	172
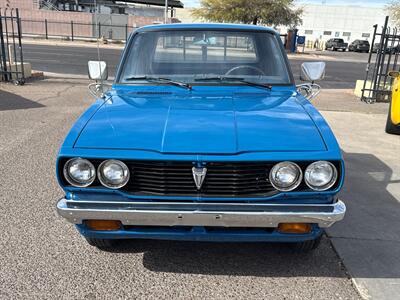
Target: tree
268	12
394	10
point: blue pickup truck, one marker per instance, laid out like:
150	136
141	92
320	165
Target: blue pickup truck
203	136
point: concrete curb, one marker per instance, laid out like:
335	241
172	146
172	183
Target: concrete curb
69	76
28	41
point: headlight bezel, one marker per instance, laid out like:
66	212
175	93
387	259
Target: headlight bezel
330	184
73	181
105	182
296	183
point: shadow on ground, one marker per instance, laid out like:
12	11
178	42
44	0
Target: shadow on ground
369	238
10	101
236	259
373	214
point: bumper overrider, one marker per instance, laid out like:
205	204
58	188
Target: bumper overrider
201	214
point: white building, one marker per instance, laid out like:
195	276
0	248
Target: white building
323	21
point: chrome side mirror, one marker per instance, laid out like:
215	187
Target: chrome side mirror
98	70
312	71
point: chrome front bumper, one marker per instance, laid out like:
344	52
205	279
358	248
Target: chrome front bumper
201	214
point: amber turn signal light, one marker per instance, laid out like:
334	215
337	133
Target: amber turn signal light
103	224
294	228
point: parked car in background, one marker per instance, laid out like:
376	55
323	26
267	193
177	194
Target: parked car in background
389	48
359	46
204	136
336	44
395	49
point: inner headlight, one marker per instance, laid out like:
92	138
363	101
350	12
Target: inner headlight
285	176
79	172
113	174
321	175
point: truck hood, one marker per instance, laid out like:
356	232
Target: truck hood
202	124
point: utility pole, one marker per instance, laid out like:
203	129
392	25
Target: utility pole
166	12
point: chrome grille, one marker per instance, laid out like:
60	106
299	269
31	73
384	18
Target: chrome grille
222	179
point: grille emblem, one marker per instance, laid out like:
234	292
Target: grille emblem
199	174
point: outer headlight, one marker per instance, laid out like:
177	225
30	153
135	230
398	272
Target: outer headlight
113	174
285	176
321	175
79	172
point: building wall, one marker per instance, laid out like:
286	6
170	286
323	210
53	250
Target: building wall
59	22
185	15
320	18
323	22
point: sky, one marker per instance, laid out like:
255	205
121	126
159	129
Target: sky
195	3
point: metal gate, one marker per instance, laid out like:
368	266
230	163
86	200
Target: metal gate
11	56
386	44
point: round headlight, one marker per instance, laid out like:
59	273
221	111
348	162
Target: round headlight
285	176
320	175
113	174
79	172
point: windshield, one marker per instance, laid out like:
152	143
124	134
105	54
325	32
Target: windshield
192	55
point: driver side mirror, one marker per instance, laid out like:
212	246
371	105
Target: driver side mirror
98	70
312	71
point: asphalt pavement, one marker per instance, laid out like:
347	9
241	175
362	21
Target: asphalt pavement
43	257
342	71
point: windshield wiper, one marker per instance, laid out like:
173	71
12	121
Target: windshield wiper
227	78
160	79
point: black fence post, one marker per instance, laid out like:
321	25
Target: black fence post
72	30
14	51
369	65
45	29
19	28
3	49
380	59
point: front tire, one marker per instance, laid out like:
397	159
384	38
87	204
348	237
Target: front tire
306	246
102	244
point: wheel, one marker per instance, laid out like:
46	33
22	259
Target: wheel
102	244
305	246
390	127
19	82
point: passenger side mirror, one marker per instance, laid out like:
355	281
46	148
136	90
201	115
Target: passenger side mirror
98	70
394	74
312	71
